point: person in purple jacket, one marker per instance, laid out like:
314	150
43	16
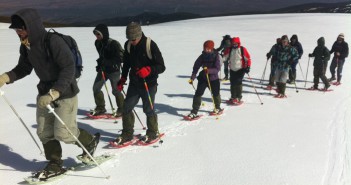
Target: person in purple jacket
210	62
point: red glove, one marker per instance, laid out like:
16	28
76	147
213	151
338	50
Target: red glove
144	72
120	83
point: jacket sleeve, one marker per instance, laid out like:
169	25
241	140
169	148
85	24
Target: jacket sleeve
22	69
157	65
300	50
196	66
333	48
247	57
345	51
63	57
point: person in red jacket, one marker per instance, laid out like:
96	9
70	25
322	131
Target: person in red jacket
239	63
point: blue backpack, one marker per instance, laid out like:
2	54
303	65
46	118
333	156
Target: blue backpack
72	44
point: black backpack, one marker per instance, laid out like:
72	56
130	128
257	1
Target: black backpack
72	44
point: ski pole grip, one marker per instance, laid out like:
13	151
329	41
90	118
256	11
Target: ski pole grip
50	108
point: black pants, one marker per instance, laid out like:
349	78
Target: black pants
203	84
337	63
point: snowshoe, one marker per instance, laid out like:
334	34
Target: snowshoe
269	87
121	142
147	140
192	117
53	168
280	96
336	83
234	101
216	112
313	88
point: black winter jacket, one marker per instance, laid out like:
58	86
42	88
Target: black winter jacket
321	55
137	58
342	48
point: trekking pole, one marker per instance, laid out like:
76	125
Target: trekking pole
51	110
2	93
301	70
209	86
144	128
108	94
253	85
295	82
264	72
308	64
152	107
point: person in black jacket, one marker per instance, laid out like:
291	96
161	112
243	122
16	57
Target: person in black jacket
340	49
225	43
321	57
57	87
108	68
143	62
294	42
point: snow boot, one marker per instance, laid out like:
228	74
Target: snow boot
89	141
332	79
52	169
128	126
217	101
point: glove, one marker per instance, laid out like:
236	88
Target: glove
120	83
48	98
190	81
144	72
4	78
247	70
268	56
310	55
206	70
98	68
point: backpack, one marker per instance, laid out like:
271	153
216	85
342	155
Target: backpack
72	44
148	47
120	50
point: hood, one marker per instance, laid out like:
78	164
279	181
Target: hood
33	23
102	28
294	37
321	41
236	40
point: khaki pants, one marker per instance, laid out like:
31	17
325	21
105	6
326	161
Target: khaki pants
50	128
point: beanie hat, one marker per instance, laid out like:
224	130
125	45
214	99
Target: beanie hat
209	44
341	35
103	30
17	22
133	31
285	37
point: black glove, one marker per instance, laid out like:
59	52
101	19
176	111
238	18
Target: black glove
310	55
268	56
98	68
247	70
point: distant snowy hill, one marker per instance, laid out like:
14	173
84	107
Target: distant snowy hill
304	139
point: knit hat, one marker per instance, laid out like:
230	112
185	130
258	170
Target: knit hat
133	31
341	35
209	44
285	37
17	22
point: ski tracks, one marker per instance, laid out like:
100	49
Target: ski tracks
338	167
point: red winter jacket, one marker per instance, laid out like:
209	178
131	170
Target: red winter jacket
246	59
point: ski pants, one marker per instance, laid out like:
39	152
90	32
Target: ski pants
113	77
236	77
337	63
50	128
134	93
202	85
319	72
281	75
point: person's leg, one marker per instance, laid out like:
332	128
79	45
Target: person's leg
98	95
114	78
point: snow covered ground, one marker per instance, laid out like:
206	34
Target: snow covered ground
304	139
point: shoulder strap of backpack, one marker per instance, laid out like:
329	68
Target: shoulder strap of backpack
148	47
